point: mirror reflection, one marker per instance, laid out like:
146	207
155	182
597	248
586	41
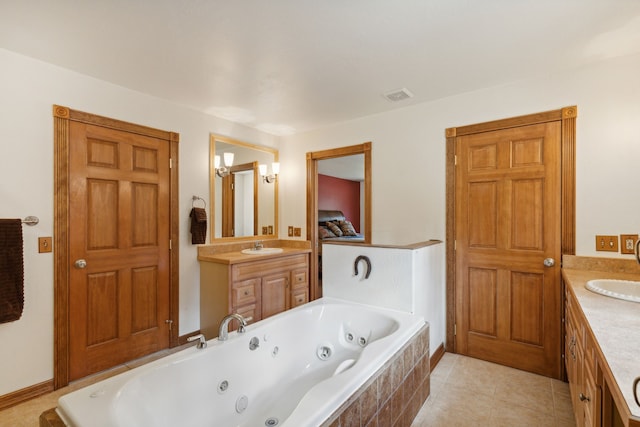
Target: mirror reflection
244	201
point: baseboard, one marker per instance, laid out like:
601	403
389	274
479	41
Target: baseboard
22	395
436	356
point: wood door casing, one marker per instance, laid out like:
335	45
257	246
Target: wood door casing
102	188
315	289
507	224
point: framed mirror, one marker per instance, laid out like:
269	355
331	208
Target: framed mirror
243	203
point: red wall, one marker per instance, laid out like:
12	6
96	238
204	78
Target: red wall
340	195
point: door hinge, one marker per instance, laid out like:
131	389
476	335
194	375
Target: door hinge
455	329
170	247
455	245
170	163
455	160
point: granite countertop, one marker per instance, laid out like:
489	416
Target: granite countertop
615	323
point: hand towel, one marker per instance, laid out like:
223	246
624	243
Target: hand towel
198	225
11	270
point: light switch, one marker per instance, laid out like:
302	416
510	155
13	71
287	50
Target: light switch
44	244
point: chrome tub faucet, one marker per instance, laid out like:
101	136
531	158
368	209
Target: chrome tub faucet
223	333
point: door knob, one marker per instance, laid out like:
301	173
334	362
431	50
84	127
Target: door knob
549	262
81	263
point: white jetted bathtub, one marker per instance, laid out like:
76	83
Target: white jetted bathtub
308	362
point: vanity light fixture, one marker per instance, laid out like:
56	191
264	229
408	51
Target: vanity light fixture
275	168
222	171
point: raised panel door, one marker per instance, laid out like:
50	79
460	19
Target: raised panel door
507	224
119	224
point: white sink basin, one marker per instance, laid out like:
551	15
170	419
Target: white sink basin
263	251
622	289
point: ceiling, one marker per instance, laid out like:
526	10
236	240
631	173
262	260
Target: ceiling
288	66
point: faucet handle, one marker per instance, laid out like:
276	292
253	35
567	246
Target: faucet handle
202	342
243	325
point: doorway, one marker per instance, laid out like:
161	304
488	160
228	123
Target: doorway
312	204
510	217
115	271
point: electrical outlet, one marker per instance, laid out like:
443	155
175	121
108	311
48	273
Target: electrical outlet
290	231
607	243
265	230
44	244
297	231
628	243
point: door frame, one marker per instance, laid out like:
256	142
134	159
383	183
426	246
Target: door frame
62	116
567	116
312	202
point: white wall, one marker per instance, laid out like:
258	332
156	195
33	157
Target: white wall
408	152
29	88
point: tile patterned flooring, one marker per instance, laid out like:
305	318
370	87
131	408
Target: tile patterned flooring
471	392
464	392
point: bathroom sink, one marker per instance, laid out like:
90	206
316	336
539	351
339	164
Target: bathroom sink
263	251
622	289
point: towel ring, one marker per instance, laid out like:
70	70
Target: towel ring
195	199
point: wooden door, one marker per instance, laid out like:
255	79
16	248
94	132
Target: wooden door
275	294
228	205
507	222
119	254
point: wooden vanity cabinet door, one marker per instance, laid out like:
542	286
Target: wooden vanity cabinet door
275	294
571	357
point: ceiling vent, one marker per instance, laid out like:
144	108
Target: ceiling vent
398	95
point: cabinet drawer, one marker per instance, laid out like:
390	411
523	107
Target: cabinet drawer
261	268
299	297
245	292
299	278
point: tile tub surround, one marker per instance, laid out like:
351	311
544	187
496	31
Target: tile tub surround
393	395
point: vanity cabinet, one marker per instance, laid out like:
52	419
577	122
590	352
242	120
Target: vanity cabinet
254	286
582	366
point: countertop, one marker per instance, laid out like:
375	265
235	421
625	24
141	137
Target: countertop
237	257
615	323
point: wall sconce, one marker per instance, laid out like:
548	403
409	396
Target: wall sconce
222	171
275	168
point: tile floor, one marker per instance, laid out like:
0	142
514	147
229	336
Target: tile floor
470	392
464	392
